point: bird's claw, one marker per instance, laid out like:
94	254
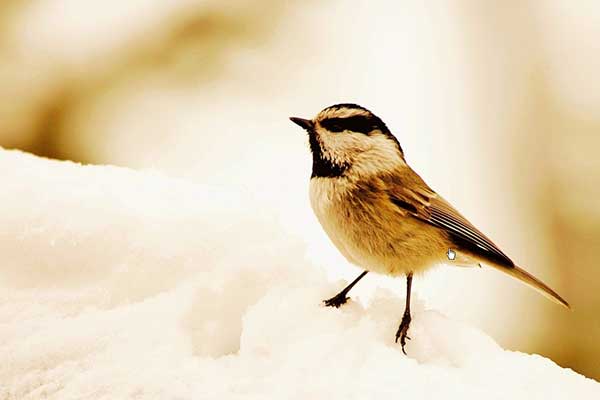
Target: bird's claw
402	333
337	300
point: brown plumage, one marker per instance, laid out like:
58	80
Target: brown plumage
381	215
469	242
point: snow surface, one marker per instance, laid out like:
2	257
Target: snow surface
118	284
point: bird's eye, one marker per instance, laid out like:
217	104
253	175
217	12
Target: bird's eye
333	126
357	123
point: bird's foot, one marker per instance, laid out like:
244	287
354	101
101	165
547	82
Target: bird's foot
337	300
402	332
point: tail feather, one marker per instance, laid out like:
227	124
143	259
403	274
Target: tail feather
533	282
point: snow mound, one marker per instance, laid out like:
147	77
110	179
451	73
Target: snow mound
118	284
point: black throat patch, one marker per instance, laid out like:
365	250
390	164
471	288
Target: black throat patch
323	167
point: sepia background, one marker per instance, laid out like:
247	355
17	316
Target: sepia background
497	105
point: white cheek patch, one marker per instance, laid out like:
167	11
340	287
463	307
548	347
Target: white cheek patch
382	155
365	154
342	147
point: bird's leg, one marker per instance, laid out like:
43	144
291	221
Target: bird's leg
341	298
403	328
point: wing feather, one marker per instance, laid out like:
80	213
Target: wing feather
426	205
413	197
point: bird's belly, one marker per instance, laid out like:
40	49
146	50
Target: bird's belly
372	235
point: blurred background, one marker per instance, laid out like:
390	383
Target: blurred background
497	105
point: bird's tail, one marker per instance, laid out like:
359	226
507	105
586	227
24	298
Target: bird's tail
533	282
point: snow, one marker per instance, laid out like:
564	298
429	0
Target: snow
117	284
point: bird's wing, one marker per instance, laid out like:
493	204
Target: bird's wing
410	193
413	197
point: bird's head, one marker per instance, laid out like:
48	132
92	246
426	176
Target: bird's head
348	138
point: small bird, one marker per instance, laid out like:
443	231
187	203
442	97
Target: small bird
381	215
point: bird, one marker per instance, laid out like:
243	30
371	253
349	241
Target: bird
381	215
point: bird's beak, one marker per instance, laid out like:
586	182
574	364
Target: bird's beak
303	123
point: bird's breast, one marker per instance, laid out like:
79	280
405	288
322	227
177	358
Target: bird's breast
367	228
327	197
